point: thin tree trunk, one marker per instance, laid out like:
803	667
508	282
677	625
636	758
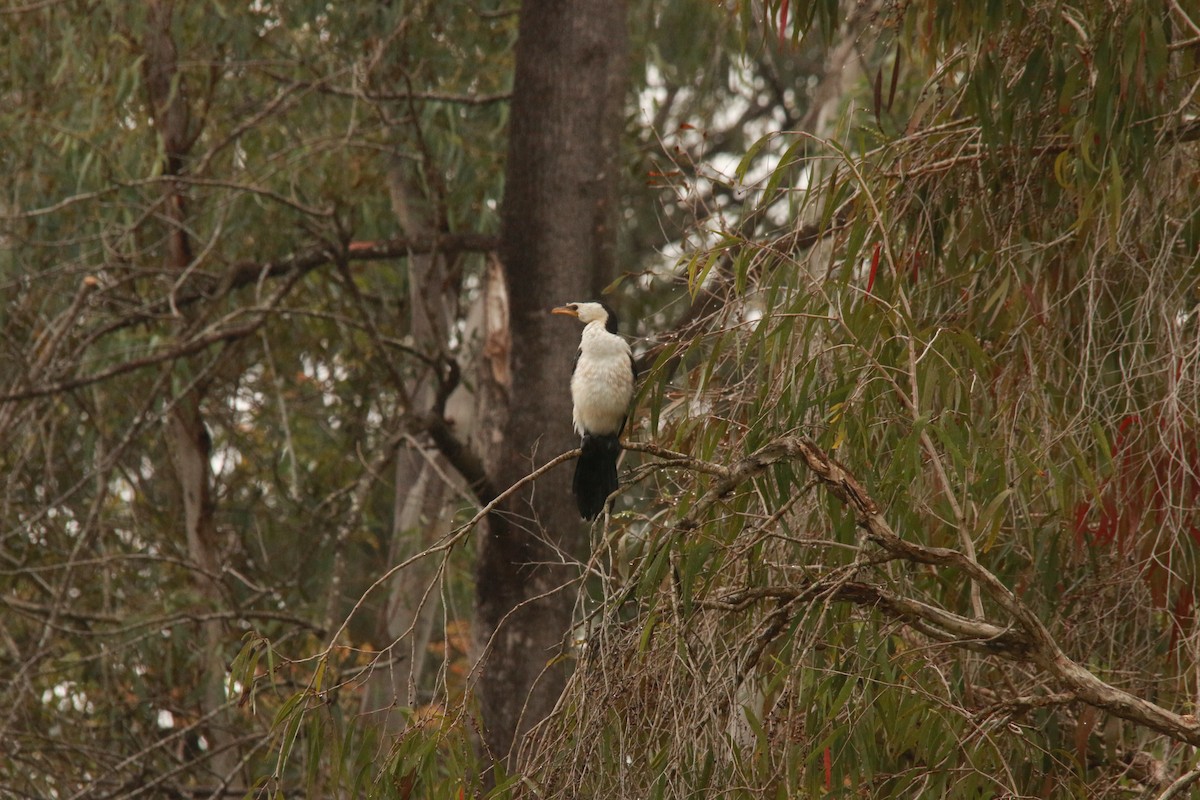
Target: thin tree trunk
187	436
558	246
425	503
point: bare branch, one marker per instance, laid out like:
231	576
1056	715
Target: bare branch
1181	785
244	274
448	542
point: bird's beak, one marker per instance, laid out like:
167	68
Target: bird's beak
566	311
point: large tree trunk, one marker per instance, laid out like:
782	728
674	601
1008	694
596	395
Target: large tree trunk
558	245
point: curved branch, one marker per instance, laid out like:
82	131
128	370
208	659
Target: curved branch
1025	638
1181	785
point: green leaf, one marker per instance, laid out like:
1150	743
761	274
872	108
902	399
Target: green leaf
744	164
698	268
992	518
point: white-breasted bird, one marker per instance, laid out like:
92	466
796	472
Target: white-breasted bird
601	391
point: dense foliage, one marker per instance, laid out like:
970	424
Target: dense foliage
912	500
984	302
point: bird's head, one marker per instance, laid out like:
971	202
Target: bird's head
590	312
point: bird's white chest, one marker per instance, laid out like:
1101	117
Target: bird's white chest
602	384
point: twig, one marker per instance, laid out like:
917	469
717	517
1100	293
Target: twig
678	459
448	541
1181	784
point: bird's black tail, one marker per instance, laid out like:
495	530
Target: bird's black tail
595	474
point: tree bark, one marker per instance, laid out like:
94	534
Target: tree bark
187	435
424	504
558	242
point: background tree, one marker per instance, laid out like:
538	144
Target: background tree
214	346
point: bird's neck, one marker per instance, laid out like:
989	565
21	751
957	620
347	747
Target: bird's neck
596	332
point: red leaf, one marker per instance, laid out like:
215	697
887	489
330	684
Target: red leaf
874	268
895	77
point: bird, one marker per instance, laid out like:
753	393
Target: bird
602	382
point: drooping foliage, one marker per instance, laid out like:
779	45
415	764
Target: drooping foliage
977	295
214	350
912	496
